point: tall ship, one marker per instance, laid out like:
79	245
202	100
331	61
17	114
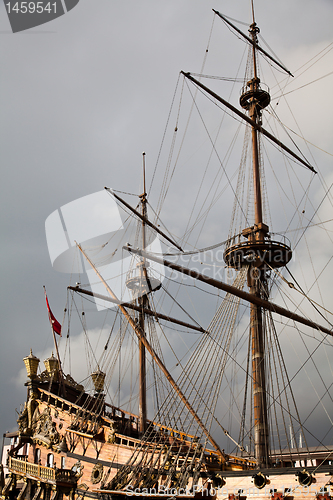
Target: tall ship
188	393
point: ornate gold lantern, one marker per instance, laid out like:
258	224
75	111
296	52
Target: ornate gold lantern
31	363
98	378
51	365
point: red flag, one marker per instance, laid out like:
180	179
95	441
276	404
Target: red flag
56	326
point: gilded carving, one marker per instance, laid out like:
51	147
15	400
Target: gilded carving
78	469
27	417
81	490
113	429
97	473
45	431
70	381
83	486
45	376
22	420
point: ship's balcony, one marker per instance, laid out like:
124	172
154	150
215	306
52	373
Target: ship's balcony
272	251
40	472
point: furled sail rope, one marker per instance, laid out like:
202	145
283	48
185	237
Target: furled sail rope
191	252
236	80
236	21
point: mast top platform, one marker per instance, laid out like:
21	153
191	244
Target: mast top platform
253	93
256	246
139	284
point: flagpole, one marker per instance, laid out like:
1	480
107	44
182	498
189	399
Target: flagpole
56	345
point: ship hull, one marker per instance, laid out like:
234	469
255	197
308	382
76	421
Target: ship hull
62	462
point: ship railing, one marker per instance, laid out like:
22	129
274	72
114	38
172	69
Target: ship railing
212	457
40	471
64	404
122	414
65	475
245	88
36	470
239	240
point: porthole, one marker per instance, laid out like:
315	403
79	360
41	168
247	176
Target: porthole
97	473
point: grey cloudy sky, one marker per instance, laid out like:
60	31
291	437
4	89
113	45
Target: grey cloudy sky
84	95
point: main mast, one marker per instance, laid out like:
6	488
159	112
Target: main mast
259	253
142	302
255	249
257	282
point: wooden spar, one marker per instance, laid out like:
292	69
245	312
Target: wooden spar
270	306
147	311
253	42
147	221
159	362
248	120
256	286
142	302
